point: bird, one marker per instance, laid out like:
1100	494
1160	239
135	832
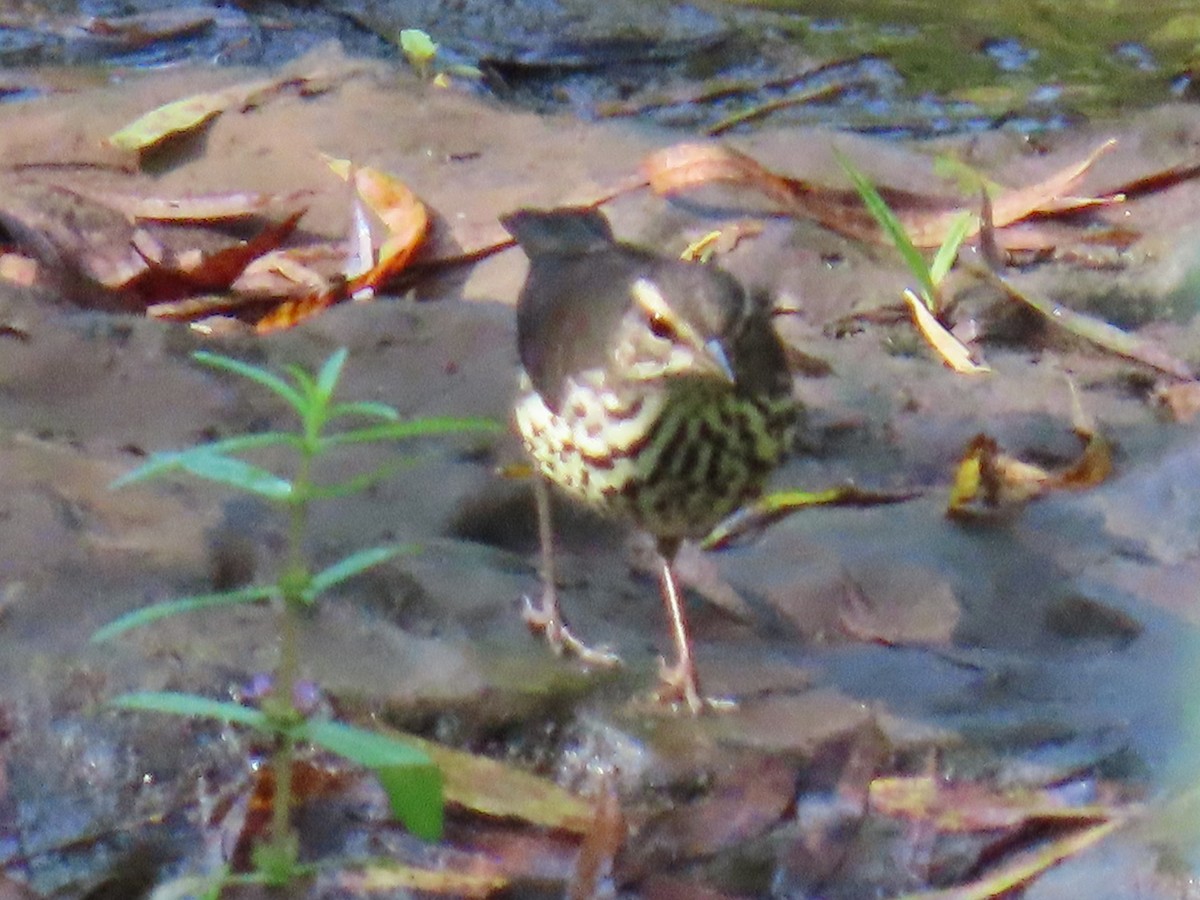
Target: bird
653	390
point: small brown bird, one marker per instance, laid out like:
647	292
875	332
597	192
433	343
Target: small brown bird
654	390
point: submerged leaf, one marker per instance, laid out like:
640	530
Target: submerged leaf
187	114
492	788
965	807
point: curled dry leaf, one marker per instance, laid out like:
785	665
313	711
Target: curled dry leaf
407	222
988	481
195	272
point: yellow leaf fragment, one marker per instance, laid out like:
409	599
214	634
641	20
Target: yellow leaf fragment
988	480
189	113
958	807
399	877
1018	871
952	351
701	249
492	788
180	116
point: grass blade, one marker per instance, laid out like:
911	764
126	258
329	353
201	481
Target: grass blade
353	564
154	612
367	409
236	473
891	226
178	704
957	233
269	380
361	482
331	371
412	428
408	776
161	463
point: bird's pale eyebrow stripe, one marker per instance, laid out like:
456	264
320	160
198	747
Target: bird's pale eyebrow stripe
651	301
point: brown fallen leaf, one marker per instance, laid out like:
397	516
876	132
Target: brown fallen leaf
684	167
199	208
138	30
1093	330
597	853
403	215
170	277
742	806
1017	871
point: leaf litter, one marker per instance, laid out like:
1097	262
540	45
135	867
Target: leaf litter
490	790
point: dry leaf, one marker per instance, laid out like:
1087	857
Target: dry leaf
403	215
189	113
407	223
1181	400
966	807
196	271
688	166
952	351
989	481
594	865
1094	330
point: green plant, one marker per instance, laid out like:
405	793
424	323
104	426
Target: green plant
928	275
411	780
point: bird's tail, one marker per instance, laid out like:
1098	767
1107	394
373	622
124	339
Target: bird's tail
561	232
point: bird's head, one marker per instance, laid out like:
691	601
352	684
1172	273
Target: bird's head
687	335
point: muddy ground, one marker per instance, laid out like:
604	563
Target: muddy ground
1053	645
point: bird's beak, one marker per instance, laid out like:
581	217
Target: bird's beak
714	352
708	354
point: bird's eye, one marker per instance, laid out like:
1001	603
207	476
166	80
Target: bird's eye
661	328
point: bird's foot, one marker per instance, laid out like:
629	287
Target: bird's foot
545	619
679	686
